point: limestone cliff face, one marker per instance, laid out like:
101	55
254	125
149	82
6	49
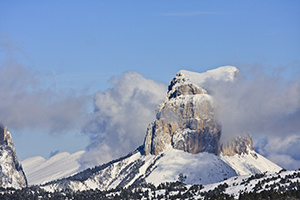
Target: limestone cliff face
185	120
11	172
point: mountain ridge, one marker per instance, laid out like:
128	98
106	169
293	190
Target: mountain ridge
136	168
39	170
11	171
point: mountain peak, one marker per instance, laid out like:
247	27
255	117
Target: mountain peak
11	172
5	137
225	73
186	119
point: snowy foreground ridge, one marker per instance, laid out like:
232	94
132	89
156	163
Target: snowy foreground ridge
181	144
203	168
280	185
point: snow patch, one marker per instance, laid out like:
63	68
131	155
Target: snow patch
38	170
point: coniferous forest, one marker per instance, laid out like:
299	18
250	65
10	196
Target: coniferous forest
173	190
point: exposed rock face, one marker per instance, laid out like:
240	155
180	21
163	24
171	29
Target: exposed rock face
186	120
11	172
240	145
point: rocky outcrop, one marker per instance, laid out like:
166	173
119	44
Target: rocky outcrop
186	120
11	172
239	145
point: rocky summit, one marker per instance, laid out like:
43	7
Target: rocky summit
186	119
11	172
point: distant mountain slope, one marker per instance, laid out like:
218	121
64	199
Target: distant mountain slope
172	165
38	170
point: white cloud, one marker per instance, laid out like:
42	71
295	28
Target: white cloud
283	151
285	161
26	103
122	113
261	104
266	105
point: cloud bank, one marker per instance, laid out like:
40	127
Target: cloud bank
282	150
257	103
265	105
121	116
26	102
25	105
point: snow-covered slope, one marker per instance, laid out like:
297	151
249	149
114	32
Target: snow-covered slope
169	166
251	163
282	185
276	181
269	185
38	170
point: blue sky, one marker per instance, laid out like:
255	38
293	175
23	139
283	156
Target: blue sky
85	43
77	46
